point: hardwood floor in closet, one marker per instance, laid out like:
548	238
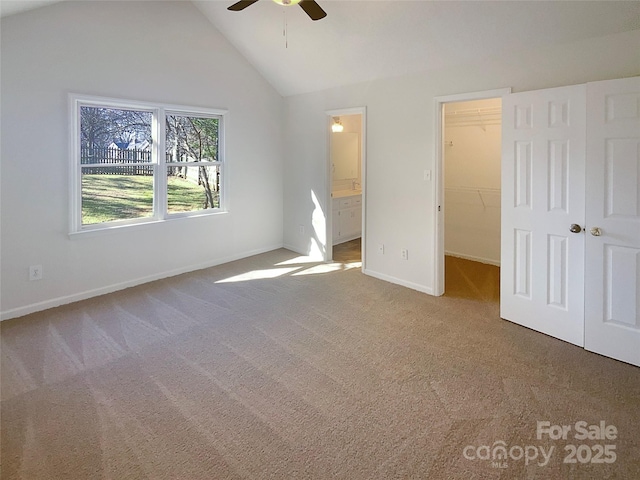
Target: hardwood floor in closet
471	280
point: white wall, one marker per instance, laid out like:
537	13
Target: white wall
400	145
472	164
160	52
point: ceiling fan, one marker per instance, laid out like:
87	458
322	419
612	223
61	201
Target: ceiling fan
310	7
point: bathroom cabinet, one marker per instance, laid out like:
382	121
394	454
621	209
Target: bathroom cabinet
347	218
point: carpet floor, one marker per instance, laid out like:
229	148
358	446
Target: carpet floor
274	367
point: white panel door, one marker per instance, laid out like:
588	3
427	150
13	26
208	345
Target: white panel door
612	306
543	172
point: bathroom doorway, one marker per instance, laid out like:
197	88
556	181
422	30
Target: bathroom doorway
346	186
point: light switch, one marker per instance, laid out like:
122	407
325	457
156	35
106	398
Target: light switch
427	175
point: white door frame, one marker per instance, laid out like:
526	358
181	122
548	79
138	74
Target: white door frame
362	111
438	190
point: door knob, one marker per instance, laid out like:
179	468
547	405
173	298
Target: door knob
596	231
575	228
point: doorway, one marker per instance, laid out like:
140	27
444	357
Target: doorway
467	191
569	260
346	178
472	153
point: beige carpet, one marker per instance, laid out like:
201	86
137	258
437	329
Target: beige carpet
270	367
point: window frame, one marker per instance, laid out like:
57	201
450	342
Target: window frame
158	163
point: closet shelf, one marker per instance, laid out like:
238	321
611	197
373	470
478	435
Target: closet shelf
480	117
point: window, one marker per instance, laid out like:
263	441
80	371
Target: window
135	163
192	158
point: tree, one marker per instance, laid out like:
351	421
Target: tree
101	126
195	139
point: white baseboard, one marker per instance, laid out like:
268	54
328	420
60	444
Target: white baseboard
294	249
56	302
303	253
488	261
399	281
346	239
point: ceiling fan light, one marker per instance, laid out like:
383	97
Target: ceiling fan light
336	126
287	3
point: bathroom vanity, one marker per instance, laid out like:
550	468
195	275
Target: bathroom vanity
347	215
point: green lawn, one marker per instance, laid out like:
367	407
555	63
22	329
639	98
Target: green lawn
118	197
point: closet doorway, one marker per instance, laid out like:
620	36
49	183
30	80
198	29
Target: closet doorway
472	162
467	195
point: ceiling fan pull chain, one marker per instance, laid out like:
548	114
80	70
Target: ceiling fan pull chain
284	28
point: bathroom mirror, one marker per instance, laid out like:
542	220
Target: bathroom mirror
345	155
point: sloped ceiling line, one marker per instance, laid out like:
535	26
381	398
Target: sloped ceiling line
361	41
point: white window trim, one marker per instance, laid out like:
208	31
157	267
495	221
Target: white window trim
158	111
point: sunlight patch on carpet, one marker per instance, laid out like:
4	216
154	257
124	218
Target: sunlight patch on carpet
259	275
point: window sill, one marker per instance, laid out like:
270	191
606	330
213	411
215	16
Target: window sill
113	229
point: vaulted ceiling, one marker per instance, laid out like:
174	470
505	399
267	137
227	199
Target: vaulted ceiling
360	41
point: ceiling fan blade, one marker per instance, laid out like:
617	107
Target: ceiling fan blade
241	5
313	9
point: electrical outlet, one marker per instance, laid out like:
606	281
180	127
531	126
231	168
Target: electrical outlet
35	272
404	254
381	248
301	229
